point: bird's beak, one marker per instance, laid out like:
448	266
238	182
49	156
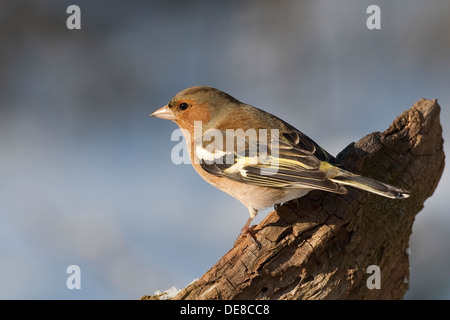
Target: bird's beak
164	113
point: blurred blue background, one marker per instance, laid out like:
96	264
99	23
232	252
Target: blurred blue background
86	176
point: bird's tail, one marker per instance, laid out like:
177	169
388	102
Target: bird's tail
348	178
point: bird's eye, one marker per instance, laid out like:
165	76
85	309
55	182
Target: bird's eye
183	106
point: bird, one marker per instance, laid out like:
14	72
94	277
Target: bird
256	157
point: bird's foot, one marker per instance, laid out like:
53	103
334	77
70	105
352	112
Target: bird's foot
247	232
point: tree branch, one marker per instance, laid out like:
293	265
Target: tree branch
320	246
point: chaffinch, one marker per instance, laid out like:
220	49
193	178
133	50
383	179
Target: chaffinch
230	147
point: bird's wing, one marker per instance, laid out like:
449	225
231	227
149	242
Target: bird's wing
289	161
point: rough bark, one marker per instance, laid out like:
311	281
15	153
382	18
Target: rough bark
320	246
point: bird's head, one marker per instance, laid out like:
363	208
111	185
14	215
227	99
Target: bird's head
200	103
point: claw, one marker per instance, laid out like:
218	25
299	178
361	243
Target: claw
247	231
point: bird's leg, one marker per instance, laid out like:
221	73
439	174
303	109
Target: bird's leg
247	230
